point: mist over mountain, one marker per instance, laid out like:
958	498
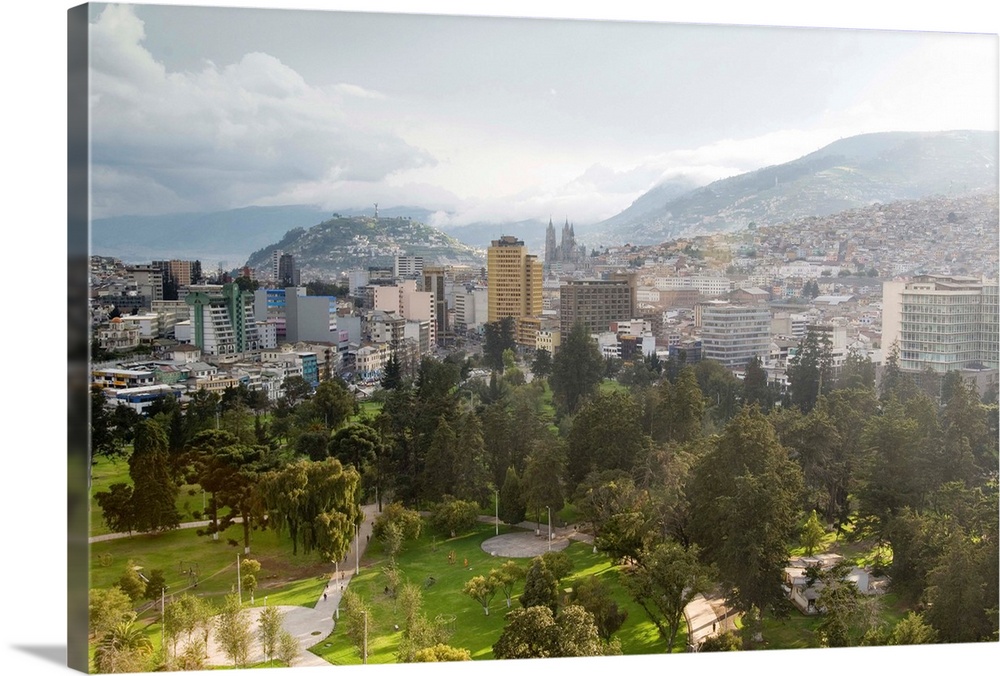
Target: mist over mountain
849	173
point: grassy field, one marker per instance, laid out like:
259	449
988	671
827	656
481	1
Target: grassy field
284	579
425	562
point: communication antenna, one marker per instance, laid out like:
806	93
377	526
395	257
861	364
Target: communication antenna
376	210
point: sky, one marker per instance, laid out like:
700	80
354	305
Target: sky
489	119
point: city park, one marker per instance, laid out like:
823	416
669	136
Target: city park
487	568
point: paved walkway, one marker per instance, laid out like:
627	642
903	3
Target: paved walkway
309	625
705	615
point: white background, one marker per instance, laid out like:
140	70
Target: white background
33	554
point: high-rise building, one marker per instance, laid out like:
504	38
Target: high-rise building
148	281
224	323
288	274
734	334
515	280
408	267
941	322
434	284
595	303
275	263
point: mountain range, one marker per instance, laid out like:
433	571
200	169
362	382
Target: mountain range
849	173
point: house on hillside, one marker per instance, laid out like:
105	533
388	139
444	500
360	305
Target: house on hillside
802	580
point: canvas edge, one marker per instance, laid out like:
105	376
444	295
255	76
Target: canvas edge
77	338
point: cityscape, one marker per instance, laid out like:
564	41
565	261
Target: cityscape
727	409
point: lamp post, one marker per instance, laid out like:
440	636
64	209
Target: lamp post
239	579
496	514
357	549
364	651
549	509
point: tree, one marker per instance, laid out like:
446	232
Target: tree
891	477
665	581
595	596
313	444
110	428
156	583
419	633
849	617
106	608
482	588
392	376
248	575
755	387
123	649
440	462
472	480
576	370
288	648
542	481
356	444
618	511
182	617
912	630
233	631
956	596
513	506
540	588
154	492
442	653
451	516
507	576
317	502
606	435
720	389
269	631
232	472
559	564
497	337
356	621
334	402
394	522
812	533
296	389
744	502
725	641
810	371
117	508
536	632
131	582
858	372
541	366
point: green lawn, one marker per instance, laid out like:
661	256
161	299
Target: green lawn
443	598
367	409
284	579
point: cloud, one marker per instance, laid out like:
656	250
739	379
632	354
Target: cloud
223	136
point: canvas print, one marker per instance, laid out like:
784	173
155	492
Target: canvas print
418	338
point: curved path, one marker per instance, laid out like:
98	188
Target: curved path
705	616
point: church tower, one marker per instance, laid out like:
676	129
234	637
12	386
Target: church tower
550	243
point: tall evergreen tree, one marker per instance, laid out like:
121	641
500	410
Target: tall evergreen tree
512	502
755	387
154	491
745	497
577	369
540	587
810	371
